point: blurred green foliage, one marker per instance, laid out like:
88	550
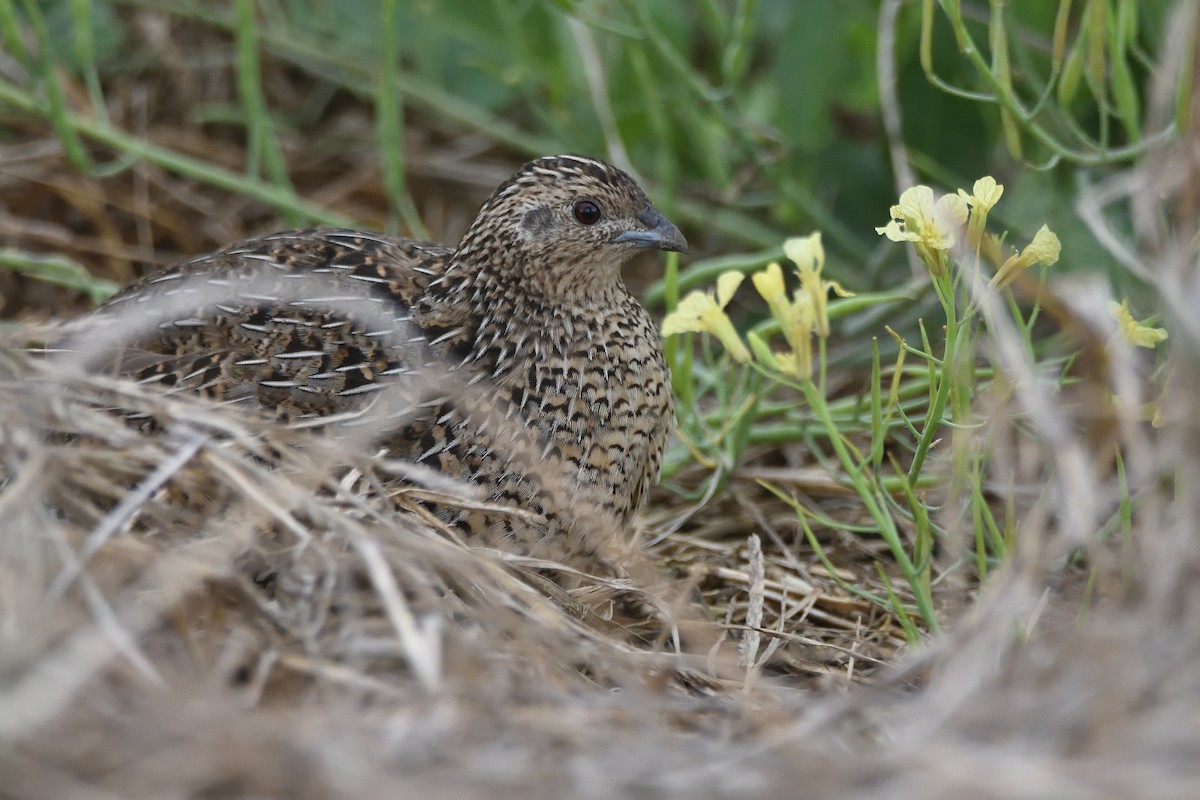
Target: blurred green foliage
750	119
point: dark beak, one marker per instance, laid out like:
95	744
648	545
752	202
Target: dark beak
659	232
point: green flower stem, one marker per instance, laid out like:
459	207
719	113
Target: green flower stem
1090	153
677	350
943	378
924	540
875	504
821	365
875	456
738	436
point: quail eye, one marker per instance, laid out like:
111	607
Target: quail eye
587	212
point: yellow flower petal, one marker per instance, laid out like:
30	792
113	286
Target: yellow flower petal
787	363
701	312
717	323
796	320
950	211
985	193
809	256
727	284
1134	332
804	307
769	283
916	203
1044	249
941	229
896	231
806	252
838	289
797	364
931	225
686	316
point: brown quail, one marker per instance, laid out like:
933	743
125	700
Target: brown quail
563	399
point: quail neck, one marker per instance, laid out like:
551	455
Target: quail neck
529	310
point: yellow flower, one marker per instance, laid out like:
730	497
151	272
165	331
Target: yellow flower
984	196
704	312
1044	249
1134	332
794	318
798	363
808	254
769	283
931	226
800	315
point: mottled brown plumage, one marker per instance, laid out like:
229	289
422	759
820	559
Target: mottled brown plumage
556	397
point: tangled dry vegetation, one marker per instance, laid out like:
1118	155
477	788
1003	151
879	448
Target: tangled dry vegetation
226	607
222	606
